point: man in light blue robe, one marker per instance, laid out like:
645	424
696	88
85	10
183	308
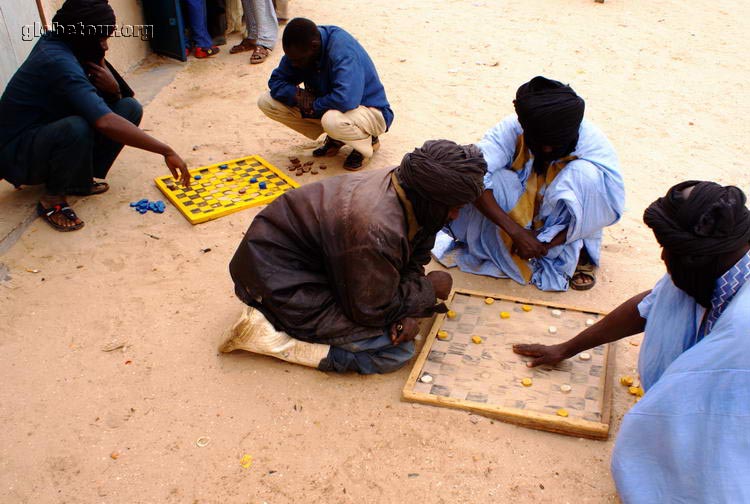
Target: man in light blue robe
552	184
688	439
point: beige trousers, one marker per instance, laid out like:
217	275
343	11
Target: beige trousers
354	127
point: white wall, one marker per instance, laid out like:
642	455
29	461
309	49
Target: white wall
124	53
14	14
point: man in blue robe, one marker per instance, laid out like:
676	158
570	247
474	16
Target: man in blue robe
687	439
552	184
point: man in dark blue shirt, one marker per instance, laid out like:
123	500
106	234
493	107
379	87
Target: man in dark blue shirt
342	95
66	114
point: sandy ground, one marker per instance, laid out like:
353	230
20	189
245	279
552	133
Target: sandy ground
665	80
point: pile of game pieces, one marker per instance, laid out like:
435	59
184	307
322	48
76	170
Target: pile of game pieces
301	168
144	205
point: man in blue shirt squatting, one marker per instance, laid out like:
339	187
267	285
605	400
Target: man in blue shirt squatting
687	439
552	184
342	97
66	114
333	272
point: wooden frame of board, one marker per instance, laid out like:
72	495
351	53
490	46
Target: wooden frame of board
534	420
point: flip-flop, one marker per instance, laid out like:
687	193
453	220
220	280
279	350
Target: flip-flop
94	188
585	270
65	210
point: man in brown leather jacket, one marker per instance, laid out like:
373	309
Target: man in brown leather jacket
333	272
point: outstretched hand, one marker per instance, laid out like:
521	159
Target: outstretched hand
544	355
178	168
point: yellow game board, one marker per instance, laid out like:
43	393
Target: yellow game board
223	188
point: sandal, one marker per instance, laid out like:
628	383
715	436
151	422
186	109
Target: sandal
206	52
244	46
94	188
260	54
65	210
584	278
329	148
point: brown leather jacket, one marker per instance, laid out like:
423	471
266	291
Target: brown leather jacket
336	261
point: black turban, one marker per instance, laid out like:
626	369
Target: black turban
550	114
439	175
699	232
82	23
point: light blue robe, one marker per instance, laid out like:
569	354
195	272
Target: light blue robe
688	439
586	196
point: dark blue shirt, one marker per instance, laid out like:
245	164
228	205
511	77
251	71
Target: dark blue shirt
50	85
344	79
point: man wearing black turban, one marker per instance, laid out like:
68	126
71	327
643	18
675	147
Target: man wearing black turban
553	184
66	114
333	272
686	440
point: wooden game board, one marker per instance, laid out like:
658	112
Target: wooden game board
486	378
213	196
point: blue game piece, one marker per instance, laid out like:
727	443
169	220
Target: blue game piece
197	177
142	210
253	180
262	185
223	167
133	203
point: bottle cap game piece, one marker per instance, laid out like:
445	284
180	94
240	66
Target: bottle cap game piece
262	185
198	177
590	322
253	180
299	172
526	382
565	388
426	378
223	167
242	190
442	335
323	167
504	315
584	356
562	412
526	308
552	329
314	171
636	391
229	179
489	300
627	381
451	314
476	339
556	313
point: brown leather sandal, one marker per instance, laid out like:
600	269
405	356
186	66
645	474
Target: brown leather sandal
245	46
260	54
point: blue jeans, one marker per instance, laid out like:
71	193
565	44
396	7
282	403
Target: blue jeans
198	23
261	22
370	356
65	154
